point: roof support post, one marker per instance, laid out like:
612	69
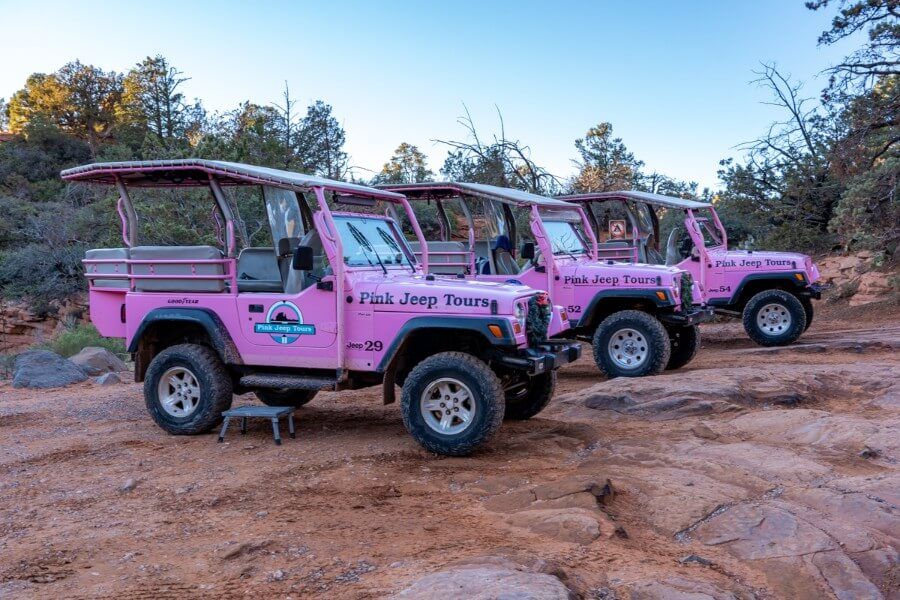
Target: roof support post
418	231
589	230
126	214
330	233
222	203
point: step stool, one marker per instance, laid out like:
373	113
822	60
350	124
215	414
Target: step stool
264	412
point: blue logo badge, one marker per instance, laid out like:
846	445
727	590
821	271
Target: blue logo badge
284	323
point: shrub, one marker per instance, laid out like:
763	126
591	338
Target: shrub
71	341
6	365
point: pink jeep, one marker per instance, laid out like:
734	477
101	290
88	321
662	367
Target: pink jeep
640	318
771	291
334	301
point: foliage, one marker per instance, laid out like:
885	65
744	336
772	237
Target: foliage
81	113
73	339
880	57
606	164
4	115
407	165
78	99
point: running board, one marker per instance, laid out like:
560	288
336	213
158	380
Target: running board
280	381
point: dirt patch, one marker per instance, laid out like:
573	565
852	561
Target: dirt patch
751	473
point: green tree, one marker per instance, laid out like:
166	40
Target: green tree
4	115
605	164
864	97
151	100
79	99
407	165
880	56
320	144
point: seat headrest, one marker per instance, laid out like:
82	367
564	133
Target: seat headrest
286	246
501	242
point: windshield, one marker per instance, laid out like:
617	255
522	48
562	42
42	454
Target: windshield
371	242
711	235
284	213
565	238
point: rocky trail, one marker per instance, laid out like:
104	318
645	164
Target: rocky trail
754	473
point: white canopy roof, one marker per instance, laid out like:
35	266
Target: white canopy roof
439	189
195	172
658	199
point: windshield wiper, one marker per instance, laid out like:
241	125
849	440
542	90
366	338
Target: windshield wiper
366	244
562	240
390	241
360	239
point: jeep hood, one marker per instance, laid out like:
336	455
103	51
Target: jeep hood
629	275
440	295
763	261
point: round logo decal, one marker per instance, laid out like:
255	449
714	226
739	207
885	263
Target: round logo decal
284	323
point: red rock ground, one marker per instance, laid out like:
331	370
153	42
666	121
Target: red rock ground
777	469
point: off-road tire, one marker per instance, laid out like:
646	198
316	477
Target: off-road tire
486	390
212	377
794	308
535	398
295	398
808	309
685	345
659	348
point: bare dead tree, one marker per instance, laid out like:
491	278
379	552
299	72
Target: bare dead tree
512	157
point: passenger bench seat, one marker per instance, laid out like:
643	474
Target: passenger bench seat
164	253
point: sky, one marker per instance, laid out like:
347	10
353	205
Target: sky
674	78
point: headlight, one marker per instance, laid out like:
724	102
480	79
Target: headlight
521	313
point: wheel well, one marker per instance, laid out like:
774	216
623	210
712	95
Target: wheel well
159	335
425	342
607	306
751	288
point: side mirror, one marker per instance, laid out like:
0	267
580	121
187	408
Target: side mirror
527	250
303	258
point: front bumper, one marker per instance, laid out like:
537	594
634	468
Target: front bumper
546	357
814	291
689	317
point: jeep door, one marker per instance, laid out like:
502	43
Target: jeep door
301	314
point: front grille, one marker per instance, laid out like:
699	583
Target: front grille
687	291
538	320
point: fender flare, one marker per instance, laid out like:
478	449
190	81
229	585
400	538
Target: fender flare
636	294
207	319
779	277
477	325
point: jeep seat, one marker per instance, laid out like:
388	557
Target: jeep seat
297	281
437	262
484	258
119	268
168	253
257	271
503	259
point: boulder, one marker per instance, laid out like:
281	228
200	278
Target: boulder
108	379
874	286
678	588
45	369
572	525
487	580
96	361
